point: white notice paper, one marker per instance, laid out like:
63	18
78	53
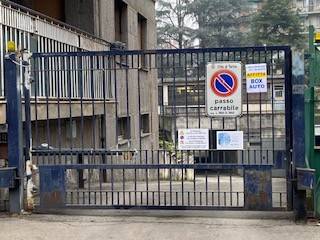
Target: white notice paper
193	139
229	140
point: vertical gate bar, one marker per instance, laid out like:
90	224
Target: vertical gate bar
147	180
116	100
231	189
37	72
218	188
158	169
165	198
127	99
89	182
58	79
288	125
100	184
236	118
170	179
198	80
15	137
112	182
139	102
194	183
177	199
212	198
80	172
27	109
272	105
105	138
206	183
93	118
46	83
254	151
260	111
174	103
182	178
68	70
107	198
123	187
298	130
162	101
186	89
135	186
248	116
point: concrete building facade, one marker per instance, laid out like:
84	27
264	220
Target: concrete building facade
109	123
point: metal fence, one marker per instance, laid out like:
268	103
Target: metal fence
103	150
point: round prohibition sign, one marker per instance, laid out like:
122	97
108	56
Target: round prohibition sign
224	83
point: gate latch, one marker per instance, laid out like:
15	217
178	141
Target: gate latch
8	177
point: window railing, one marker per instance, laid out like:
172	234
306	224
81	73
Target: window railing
39	33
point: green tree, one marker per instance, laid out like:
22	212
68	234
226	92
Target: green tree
277	23
219	22
172	24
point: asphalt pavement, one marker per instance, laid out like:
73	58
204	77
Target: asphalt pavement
156	225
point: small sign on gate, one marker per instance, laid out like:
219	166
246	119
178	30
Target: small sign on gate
230	140
223	89
256	75
193	139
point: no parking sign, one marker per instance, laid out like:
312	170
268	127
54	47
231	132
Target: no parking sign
223	87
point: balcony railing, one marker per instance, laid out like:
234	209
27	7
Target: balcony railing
38	33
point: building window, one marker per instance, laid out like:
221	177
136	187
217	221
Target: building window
123	128
3	137
142	37
121	21
279	92
145	123
187	95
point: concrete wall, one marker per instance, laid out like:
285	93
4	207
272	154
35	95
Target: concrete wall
97	17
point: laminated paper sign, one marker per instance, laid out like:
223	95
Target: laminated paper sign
229	140
256	75
193	139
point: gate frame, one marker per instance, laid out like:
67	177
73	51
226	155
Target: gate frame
15	127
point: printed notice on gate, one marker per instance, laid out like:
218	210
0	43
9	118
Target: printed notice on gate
223	88
229	140
193	139
256	75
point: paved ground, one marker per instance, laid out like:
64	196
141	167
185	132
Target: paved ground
123	227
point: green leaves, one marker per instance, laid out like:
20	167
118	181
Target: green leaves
217	21
227	23
277	23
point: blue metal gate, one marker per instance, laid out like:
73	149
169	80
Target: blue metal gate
104	129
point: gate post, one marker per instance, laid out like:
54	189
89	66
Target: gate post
15	137
298	133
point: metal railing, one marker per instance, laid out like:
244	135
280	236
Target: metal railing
39	33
